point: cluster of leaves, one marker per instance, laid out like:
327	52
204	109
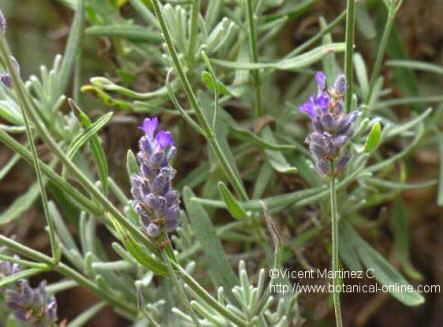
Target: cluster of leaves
220	67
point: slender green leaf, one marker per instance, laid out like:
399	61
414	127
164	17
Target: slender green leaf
247	135
72	48
417	65
232	204
399	129
205	233
125	31
9	165
399	185
140	253
400	226
20	205
89	133
83	318
275	158
297	62
382	270
374	138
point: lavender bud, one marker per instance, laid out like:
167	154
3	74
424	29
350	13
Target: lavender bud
154	200
8	268
320	79
340	84
328	122
6	80
32	305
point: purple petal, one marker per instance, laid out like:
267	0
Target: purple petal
308	108
172	218
346	123
149	126
340	84
320	79
164	139
322	101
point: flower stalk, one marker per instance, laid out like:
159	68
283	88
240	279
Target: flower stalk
332	130
334	255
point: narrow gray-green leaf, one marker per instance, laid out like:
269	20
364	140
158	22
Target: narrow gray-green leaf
9	165
86	315
80	140
20	205
205	233
232	204
297	62
408	125
384	272
72	48
417	65
126	31
275	158
400	226
246	135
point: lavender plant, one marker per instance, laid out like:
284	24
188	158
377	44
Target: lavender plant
154	199
215	82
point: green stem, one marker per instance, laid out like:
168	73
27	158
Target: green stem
210	134
380	52
254	57
350	32
335	257
55	249
60	153
83	202
68	272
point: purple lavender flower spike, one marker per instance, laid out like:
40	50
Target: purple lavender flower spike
32	305
332	128
153	197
